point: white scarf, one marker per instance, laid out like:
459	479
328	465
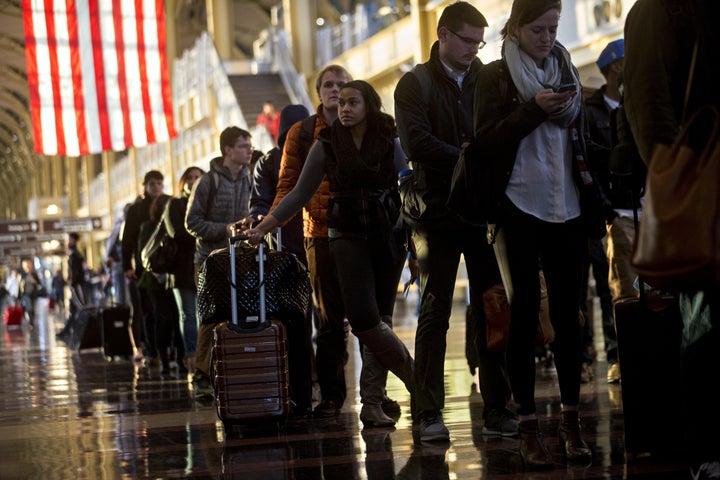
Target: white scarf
541	183
530	79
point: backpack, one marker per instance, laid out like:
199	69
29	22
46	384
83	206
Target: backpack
161	252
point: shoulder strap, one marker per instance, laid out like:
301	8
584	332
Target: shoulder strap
214	183
307	134
423	75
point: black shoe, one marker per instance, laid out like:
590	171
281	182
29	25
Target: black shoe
390	406
432	429
326	409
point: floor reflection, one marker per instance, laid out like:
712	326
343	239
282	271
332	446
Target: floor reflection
70	415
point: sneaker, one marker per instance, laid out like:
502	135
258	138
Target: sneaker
500	422
432	429
706	470
326	409
202	386
613	375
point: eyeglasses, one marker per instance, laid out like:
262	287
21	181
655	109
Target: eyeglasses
245	145
479	44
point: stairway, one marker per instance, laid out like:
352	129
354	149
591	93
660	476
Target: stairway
252	91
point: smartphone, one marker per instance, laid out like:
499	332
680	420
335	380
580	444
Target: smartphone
565	87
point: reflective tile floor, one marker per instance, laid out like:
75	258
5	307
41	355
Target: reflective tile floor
69	415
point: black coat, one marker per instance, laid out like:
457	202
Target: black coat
432	134
184	276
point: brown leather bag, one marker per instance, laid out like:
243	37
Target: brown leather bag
497	317
678	242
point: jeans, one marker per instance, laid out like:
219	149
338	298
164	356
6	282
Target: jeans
186	300
329	321
438	254
598	261
560	249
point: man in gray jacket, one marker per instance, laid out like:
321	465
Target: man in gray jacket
219	199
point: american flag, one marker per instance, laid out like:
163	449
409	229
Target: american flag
97	74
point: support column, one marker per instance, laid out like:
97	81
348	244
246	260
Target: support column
425	18
106	156
58	187
132	157
73	166
300	16
219	18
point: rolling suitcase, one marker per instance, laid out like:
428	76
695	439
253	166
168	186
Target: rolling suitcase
249	360
86	328
649	335
117	337
13	315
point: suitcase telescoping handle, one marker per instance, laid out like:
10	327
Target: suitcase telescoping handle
233	278
261	276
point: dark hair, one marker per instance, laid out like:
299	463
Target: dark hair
229	136
373	104
157	206
336	69
74	236
525	11
456	15
185	175
152	175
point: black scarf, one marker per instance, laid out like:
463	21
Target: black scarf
368	167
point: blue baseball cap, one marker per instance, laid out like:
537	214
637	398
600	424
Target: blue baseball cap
614	51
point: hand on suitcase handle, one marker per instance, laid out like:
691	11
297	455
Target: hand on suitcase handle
257	232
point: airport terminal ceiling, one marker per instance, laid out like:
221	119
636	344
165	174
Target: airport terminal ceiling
21	169
25	174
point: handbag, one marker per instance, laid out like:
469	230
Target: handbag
497	318
413	206
678	241
160	253
287	285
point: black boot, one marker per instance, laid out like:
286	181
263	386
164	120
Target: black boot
535	455
571	441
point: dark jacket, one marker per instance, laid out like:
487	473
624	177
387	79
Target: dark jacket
184	275
267	173
363	184
657	62
606	130
431	134
230	204
76	269
503	120
137	214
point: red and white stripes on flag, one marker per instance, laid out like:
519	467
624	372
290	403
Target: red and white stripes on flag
98	75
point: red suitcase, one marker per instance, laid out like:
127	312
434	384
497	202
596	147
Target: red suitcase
13	315
250	362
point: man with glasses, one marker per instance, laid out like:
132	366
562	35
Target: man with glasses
433	129
219	199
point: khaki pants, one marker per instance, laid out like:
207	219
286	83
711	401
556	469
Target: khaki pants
621	277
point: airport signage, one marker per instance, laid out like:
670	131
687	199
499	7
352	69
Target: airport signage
19	226
71	224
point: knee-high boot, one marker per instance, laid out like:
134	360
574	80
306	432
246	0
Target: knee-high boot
390	352
372	391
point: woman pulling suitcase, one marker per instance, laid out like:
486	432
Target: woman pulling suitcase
361	156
